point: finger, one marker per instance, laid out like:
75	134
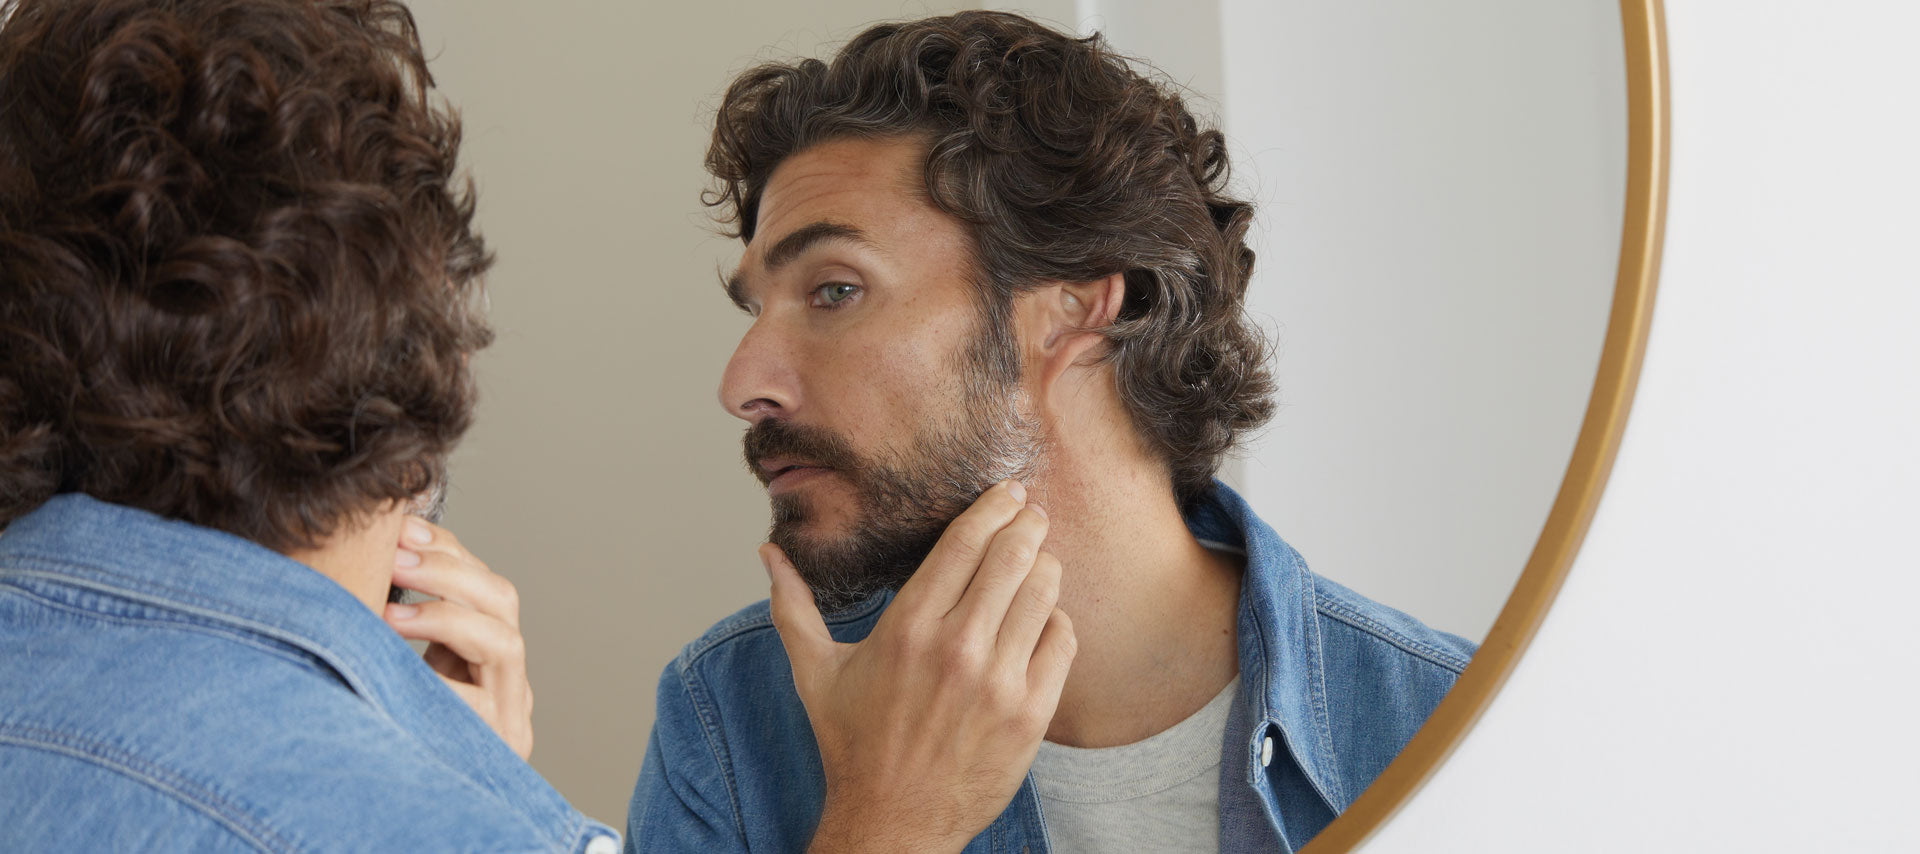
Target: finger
516	732
421	535
490	647
472	696
795	615
1052	659
943	577
1008	562
1032	609
443	575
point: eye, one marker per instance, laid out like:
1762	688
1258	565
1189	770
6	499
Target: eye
834	294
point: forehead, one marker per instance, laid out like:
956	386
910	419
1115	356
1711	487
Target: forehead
872	186
846	176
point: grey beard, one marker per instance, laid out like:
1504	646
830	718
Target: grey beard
904	511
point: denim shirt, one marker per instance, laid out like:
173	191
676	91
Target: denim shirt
1332	686
166	687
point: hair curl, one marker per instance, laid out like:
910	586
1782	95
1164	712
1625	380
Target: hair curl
1066	165
238	277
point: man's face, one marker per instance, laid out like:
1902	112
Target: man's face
882	403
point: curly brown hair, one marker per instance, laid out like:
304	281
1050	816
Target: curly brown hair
239	281
1066	165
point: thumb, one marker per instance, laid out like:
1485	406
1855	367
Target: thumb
795	615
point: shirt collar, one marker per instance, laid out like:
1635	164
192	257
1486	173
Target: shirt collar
216	576
1282	670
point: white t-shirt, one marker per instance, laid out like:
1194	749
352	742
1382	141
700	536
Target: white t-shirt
1157	795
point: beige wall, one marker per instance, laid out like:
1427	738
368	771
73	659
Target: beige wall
602	477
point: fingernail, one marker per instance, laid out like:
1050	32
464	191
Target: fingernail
418	532
406	558
1017	489
766	562
398	611
1042	511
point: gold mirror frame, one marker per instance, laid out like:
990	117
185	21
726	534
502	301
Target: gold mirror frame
1644	29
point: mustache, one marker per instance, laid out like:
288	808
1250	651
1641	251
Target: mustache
814	445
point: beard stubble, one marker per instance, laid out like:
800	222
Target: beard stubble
904	500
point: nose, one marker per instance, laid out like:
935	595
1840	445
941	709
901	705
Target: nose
760	382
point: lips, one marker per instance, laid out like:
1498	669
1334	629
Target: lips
771	469
795	454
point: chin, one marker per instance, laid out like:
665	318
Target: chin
815	517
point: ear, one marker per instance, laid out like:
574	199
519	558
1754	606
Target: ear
1064	322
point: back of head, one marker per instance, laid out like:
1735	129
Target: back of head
238	276
1066	165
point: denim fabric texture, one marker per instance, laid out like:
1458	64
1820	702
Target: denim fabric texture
1337	682
166	687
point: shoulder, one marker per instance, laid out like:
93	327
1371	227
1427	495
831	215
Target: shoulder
1383	673
747	628
1384	631
235	736
731	740
740	666
748	637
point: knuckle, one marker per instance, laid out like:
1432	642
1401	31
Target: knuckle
514	646
445	537
509	595
916	636
1025	723
965	655
1042	592
1047	564
1005	692
966	539
1033	610
1018	555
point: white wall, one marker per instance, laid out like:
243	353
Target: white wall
1440	188
1730	666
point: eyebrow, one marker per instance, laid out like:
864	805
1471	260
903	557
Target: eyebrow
791	247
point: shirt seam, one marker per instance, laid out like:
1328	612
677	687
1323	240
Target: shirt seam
1431	654
716	748
482	780
179	622
208	610
1322	706
142	588
132	767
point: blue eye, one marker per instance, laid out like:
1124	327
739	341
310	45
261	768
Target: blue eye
834	294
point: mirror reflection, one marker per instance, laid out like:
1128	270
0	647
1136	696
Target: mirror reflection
957	432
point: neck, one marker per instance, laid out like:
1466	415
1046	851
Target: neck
1154	611
359	557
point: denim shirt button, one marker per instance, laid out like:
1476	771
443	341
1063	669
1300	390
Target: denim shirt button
1266	752
603	845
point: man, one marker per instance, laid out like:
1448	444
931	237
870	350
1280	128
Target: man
979	250
238	287
237	290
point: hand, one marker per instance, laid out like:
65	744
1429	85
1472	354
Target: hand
928	726
473	630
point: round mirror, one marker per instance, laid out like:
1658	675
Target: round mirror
1440	195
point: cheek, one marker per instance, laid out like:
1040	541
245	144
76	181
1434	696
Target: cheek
885	393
